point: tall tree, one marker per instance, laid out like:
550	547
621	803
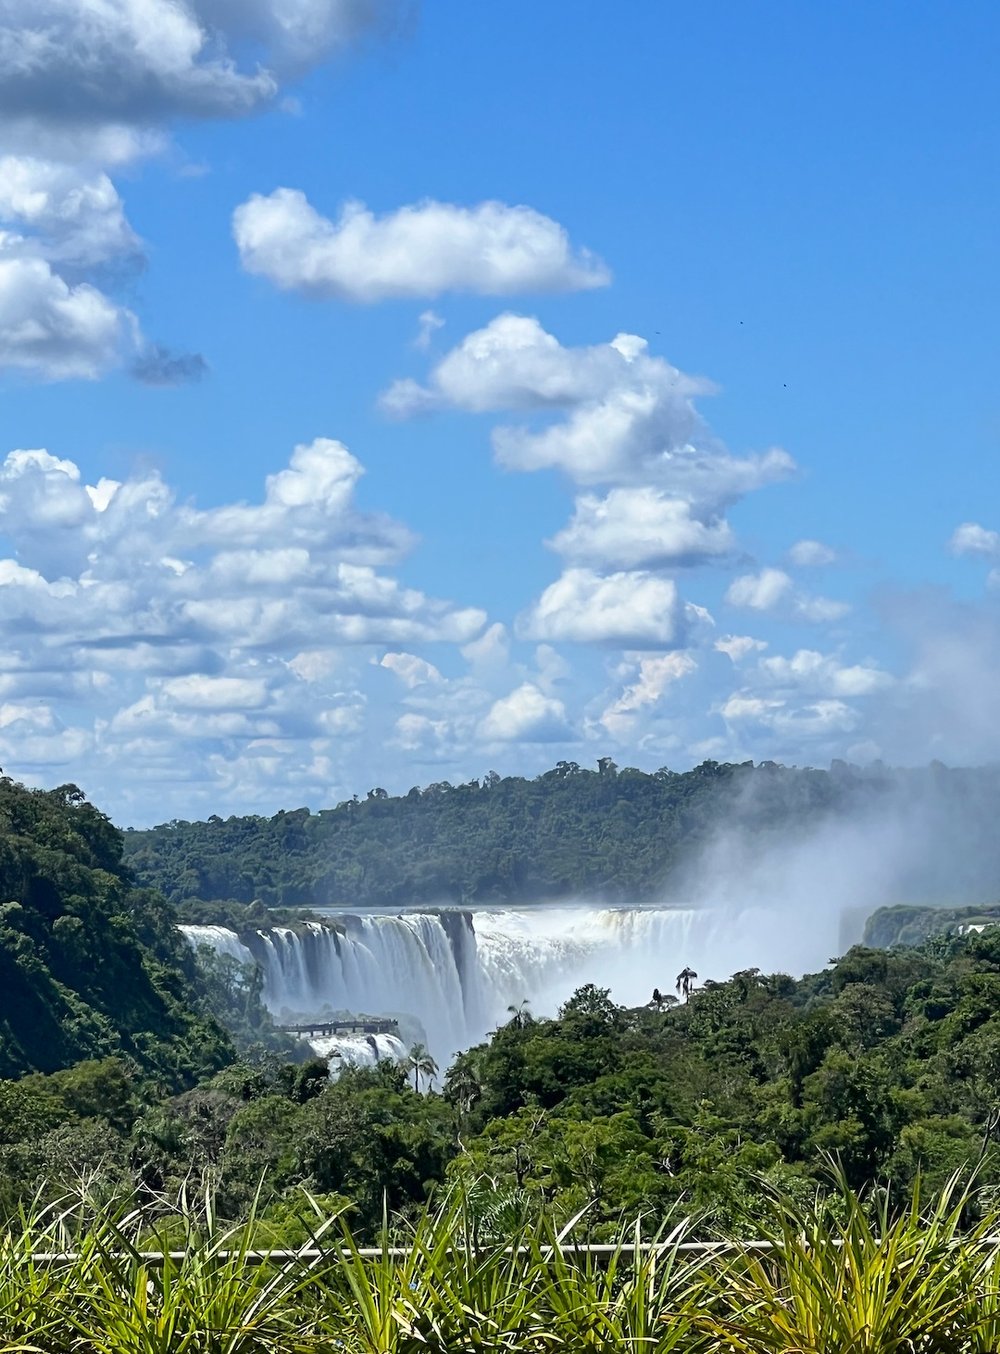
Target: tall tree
421	1064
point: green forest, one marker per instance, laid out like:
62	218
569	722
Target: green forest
147	1103
611	833
141	1067
909	924
91	967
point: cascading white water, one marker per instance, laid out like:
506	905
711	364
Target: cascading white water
360	1050
452	975
221	940
404	966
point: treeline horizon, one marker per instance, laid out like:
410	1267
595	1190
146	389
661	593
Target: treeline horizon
608	833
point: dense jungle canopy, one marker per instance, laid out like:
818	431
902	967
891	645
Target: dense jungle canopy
90	965
116	1068
609	833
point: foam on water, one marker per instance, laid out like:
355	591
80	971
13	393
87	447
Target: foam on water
359	1050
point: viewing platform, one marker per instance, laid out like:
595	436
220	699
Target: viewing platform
325	1029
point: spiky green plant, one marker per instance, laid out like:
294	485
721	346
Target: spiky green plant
212	1296
847	1276
35	1291
449	1288
854	1279
437	1291
638	1298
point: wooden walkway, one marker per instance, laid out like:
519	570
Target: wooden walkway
326	1029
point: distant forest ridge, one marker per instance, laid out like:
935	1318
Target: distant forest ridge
617	834
906	924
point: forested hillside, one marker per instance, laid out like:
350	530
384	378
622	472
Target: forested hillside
90	966
605	833
911	925
887	1061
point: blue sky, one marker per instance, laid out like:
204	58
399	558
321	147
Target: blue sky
645	408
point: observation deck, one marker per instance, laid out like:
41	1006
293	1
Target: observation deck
326	1029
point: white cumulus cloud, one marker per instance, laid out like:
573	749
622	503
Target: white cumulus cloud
490	650
809	697
631	609
416	251
811	554
737	647
654	675
626	417
428	323
819	609
183	640
807	669
76	213
54	330
772	590
219	653
105	65
641	527
759	592
411	670
196	691
56	323
811	720
972	539
527	715
418	733
89	85
298	33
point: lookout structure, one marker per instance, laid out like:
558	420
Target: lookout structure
326	1029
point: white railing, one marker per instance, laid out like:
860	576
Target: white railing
311	1255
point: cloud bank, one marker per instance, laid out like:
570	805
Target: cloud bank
90	87
71	67
187	632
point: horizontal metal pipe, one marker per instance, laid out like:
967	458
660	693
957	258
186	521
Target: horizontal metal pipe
311	1255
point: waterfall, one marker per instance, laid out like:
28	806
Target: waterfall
403	966
360	1050
450	976
220	939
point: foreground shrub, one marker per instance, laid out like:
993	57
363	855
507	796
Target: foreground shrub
847	1275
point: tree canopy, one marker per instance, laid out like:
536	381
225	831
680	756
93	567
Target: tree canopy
90	966
619	834
115	1067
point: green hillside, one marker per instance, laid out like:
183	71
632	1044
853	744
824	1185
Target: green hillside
90	966
909	925
113	1063
605	833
